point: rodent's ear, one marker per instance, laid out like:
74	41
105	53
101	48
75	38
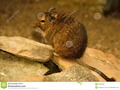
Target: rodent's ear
52	12
51	9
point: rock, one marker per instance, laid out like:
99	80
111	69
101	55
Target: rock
26	48
73	73
33	78
64	63
105	62
13	68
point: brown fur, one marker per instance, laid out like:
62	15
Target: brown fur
66	34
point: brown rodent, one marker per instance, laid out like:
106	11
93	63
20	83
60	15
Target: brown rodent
66	34
61	30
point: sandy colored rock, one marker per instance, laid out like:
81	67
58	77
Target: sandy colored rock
33	78
13	68
105	62
64	63
26	48
73	73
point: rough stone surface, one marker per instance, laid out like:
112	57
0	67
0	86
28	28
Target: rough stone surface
73	73
64	63
33	78
26	48
105	62
13	68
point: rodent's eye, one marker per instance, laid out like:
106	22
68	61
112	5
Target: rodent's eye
42	21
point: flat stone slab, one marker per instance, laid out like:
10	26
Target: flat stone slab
26	48
105	62
72	74
13	68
